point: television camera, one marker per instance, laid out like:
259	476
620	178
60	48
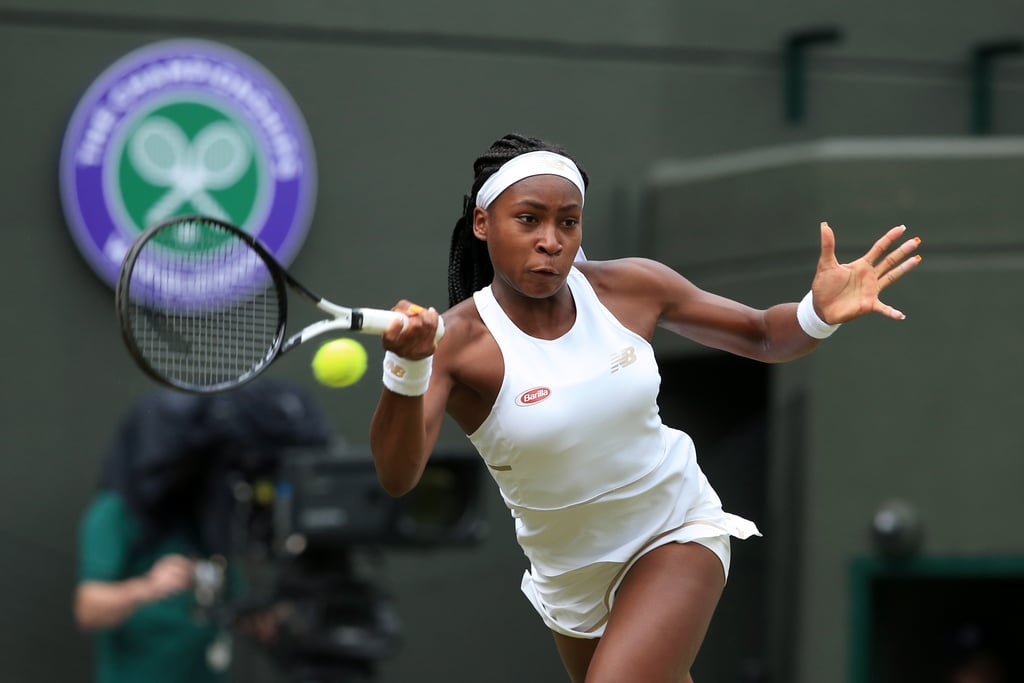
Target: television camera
292	518
310	535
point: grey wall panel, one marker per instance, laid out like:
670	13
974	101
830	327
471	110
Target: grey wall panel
909	32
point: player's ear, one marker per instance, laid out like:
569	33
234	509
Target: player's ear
480	219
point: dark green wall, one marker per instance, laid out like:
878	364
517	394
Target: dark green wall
921	409
399	99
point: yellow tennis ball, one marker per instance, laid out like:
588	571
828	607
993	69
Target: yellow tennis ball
339	363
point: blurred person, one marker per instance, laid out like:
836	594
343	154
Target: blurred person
547	366
164	503
983	667
975	656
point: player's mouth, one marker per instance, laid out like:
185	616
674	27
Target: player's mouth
545	271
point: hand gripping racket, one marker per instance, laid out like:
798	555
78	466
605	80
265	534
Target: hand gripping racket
203	305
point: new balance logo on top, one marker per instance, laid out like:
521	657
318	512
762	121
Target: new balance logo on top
621	359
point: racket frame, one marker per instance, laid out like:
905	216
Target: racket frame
365	320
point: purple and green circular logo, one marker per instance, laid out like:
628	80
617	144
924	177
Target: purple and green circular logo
185	127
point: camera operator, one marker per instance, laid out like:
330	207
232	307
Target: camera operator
164	503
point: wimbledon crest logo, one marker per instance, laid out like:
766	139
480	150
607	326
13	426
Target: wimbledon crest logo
185	127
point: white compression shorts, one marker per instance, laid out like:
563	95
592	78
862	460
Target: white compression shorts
578	603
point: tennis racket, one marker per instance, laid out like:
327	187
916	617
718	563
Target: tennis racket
203	305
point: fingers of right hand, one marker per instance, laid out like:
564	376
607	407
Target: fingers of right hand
409	335
398	327
407	307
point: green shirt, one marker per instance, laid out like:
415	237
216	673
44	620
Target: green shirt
162	642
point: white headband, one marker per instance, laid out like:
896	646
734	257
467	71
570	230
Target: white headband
524	166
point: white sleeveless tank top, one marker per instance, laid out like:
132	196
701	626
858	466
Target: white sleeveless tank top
577	416
576	444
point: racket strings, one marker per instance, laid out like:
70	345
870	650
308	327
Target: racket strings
203	306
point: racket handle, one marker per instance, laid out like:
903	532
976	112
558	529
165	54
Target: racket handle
375	321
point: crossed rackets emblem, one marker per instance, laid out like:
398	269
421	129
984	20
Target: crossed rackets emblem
163	156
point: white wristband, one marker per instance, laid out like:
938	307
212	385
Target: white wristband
407	377
809	320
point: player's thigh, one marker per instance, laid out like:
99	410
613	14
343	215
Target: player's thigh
662	611
576	654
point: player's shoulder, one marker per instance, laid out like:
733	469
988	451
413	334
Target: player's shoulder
462	322
467	342
623	275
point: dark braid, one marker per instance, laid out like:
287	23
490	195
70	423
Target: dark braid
469	266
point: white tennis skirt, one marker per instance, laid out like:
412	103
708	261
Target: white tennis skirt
578	603
679	506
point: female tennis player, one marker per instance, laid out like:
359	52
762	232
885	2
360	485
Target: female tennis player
547	365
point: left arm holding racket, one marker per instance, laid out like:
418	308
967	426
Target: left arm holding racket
203	306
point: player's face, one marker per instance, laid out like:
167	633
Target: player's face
533	231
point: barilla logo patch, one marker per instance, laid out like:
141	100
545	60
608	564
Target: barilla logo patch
182	127
533	396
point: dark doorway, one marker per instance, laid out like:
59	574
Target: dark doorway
721	401
939	620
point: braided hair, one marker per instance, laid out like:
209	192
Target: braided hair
469	265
